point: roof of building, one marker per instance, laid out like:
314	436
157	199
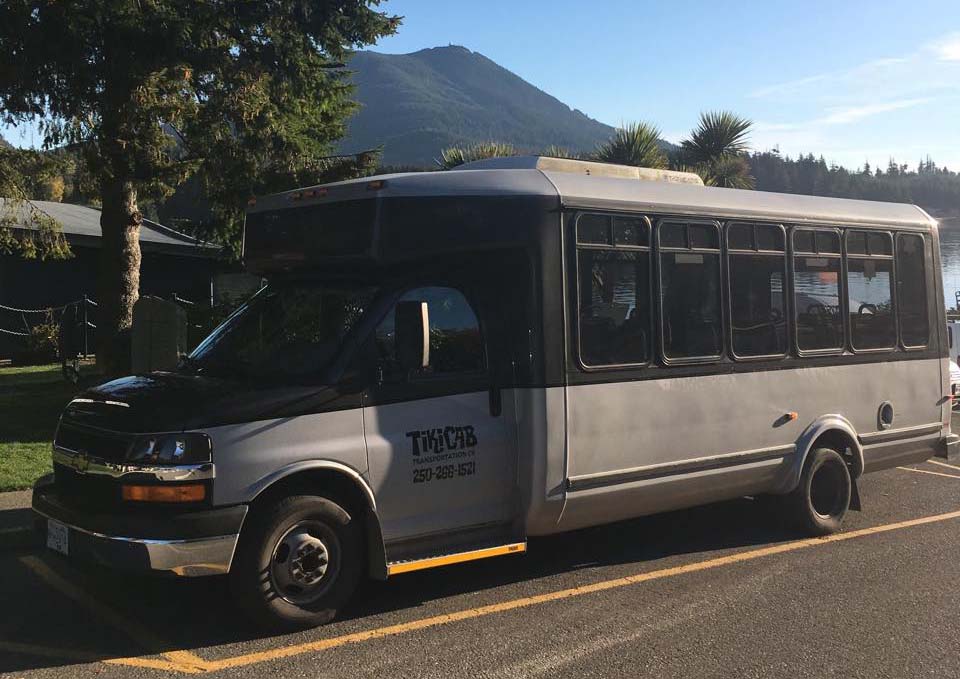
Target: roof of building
576	189
81	225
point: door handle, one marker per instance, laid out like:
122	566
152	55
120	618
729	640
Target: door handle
496	401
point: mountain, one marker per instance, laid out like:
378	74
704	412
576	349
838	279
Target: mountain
416	104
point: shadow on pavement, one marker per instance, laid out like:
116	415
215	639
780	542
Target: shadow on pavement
197	613
14	519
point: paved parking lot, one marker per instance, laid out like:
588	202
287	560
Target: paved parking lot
716	591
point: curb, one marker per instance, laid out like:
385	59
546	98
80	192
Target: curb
17	521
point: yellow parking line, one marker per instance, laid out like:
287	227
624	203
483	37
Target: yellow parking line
944	464
156	664
188	663
178	660
924	471
471	613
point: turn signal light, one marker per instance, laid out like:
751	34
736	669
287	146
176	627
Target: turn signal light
194	492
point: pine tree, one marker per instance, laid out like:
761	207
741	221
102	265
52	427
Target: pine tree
249	96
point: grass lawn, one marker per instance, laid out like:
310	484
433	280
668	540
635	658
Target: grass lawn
31	399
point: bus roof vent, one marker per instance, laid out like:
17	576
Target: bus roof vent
587	167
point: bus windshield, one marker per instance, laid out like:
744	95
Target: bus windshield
286	330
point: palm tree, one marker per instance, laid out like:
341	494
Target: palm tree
729	171
717	149
454	156
719	133
555	151
636	144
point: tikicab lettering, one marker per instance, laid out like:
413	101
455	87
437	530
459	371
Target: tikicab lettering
430	441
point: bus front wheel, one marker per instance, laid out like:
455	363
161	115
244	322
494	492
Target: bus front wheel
820	501
298	563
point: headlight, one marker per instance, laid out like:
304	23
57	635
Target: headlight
171	449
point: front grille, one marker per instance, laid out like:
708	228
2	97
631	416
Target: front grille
90	491
97	443
86	490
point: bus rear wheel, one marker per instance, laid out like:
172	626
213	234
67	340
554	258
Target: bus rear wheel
820	501
297	564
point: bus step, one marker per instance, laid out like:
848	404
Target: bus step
397	567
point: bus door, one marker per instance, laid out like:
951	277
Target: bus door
441	443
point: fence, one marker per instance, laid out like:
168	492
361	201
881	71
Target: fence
82	327
76	329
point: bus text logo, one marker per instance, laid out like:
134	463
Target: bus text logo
441	439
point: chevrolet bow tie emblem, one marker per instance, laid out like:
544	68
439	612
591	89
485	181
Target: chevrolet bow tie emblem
81	463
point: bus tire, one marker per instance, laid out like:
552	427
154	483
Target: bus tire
819	503
298	563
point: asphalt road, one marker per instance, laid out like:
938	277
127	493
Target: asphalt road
717	591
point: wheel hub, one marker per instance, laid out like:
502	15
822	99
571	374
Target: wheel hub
300	563
309	561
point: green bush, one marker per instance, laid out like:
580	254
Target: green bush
41	344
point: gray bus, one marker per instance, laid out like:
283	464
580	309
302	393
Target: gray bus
444	364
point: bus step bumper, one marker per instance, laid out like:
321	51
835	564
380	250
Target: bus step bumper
434	561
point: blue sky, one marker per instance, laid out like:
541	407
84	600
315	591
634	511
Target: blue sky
854	80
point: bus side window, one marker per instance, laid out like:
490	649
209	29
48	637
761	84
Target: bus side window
816	290
912	291
870	290
690	297
758	295
613	265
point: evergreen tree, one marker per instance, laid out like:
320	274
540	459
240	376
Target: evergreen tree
23	175
249	96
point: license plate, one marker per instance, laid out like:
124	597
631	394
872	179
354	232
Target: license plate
58	537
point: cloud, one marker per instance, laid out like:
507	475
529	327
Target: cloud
947	48
851	114
841	113
844	115
870	69
929	68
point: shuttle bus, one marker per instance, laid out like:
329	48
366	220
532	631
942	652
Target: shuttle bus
444	364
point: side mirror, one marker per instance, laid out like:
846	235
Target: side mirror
412	326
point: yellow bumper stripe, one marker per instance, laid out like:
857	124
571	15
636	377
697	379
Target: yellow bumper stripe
460	557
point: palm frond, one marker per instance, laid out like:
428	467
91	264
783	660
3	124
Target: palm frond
719	133
554	151
636	144
728	171
458	155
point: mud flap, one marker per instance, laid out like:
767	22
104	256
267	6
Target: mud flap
855	496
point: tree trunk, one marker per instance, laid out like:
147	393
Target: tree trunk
119	279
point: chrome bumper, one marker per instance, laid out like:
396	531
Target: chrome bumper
187	558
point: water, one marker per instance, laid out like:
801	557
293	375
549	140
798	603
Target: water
950	257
